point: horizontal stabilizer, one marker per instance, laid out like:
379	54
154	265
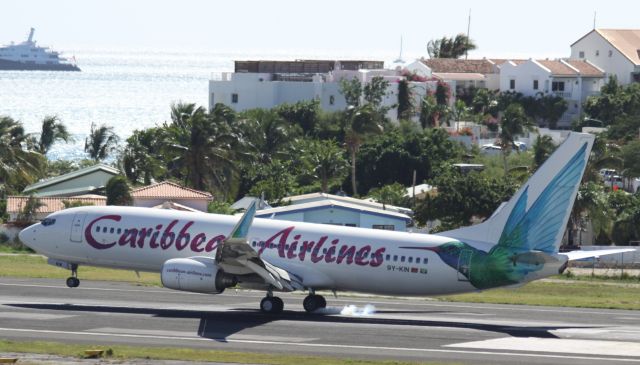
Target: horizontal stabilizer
580	255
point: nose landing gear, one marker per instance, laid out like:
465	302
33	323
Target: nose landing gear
73	281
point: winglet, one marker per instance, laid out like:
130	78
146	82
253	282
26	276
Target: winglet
241	230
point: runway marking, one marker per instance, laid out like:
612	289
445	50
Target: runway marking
33	316
557	345
470	306
323	345
192	334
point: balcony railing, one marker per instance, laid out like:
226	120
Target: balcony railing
562	94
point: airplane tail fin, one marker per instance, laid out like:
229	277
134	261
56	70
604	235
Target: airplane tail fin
534	219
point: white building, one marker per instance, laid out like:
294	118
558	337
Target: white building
339	210
266	84
573	80
616	51
461	74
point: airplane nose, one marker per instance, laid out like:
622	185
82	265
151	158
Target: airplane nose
28	235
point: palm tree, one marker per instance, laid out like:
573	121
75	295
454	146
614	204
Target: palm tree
204	151
52	130
360	123
101	142
268	133
543	147
141	158
326	159
18	166
446	47
513	122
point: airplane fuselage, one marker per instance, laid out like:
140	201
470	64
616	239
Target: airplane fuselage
320	256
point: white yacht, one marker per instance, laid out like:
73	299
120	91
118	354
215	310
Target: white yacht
28	56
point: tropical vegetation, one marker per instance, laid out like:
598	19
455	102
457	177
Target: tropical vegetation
299	148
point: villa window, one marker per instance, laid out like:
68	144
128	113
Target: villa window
581	54
234	98
512	84
557	86
597	52
332	100
535	84
610	53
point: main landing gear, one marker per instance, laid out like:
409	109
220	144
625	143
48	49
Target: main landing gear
274	305
313	302
73	281
271	304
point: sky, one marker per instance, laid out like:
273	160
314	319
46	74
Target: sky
510	29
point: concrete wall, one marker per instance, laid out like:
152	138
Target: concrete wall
616	63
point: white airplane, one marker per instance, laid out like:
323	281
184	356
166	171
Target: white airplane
208	253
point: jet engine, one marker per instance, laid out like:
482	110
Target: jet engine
197	274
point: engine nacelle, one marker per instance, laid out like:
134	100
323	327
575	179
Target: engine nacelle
198	274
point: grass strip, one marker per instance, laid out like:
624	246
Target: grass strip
180	353
36	267
582	294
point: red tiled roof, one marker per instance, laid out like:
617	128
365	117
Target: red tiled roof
169	190
15	204
585	68
558	68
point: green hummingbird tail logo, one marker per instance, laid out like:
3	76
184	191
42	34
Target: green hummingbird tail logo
527	237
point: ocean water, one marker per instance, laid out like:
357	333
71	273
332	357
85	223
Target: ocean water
123	88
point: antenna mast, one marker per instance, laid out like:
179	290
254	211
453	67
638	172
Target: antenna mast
468	29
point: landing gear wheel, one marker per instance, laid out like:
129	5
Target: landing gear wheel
271	305
314	302
73	282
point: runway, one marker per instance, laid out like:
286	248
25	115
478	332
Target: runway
400	329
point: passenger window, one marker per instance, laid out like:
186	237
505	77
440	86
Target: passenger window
417	260
426	260
112	230
253	243
98	229
119	230
402	259
286	247
395	257
388	257
410	259
104	229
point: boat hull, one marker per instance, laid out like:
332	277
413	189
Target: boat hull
21	66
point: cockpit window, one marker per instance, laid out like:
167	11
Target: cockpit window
48	221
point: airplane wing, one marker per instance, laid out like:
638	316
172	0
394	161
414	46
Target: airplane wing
580	254
236	256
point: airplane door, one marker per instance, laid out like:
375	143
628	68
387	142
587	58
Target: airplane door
464	265
76	227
